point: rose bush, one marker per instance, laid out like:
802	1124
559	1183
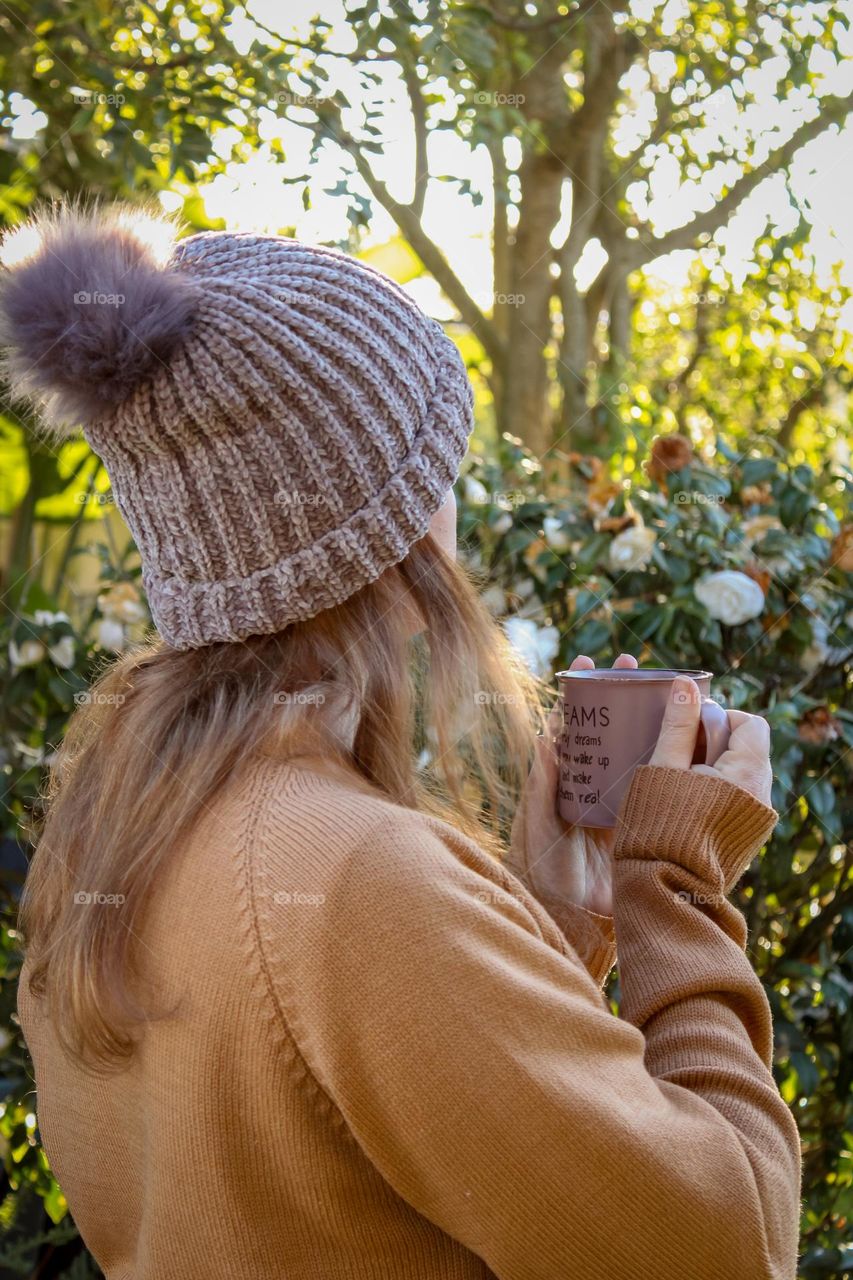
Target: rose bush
47	662
741	565
738	564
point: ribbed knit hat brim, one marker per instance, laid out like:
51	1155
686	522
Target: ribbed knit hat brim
349	556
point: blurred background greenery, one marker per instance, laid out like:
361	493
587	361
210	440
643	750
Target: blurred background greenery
633	218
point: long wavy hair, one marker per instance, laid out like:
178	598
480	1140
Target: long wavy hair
443	721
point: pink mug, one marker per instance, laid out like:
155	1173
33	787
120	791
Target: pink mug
611	722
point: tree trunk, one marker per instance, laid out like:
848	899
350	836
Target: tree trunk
501	278
527	411
573	365
609	426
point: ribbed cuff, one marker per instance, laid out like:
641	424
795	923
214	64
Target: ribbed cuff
702	823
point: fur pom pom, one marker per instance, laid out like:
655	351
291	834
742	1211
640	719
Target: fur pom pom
89	308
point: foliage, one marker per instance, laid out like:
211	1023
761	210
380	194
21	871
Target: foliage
128	98
47	662
611	567
581	106
584	111
769	357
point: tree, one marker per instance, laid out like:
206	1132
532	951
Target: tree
121	101
556	97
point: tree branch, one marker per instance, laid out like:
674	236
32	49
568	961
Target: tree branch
316	48
413	87
427	250
686	236
600	94
702	326
813	395
532	24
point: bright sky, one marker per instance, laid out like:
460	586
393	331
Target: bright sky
254	196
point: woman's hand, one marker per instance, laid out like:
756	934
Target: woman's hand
746	760
574	864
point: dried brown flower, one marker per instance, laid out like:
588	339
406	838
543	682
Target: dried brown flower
758	574
669	454
841	554
818	727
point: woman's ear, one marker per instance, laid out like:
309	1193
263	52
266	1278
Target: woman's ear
443	526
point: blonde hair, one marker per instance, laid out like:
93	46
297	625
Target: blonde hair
159	715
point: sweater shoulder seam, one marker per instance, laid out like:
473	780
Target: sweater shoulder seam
303	1072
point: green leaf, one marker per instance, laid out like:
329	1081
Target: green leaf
758	470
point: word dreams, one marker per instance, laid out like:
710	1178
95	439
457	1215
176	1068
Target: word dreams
576	786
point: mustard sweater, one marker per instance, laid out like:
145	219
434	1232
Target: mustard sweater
388	1060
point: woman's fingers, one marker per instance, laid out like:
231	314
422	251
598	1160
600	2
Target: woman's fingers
677	738
749	734
583	663
746	760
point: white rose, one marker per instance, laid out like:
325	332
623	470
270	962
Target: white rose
555	535
62	653
475	492
730	596
632	548
536	646
494	599
44	617
28	654
111	635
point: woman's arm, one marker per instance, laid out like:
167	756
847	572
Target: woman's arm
478	1068
678	934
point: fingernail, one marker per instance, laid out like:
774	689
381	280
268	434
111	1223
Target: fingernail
682	690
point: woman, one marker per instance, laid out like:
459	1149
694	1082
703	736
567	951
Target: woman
291	1012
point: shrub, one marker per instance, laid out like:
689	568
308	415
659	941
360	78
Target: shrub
613	565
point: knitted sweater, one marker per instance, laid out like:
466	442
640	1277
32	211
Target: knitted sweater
384	1058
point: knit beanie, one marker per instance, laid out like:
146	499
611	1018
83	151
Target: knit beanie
279	422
